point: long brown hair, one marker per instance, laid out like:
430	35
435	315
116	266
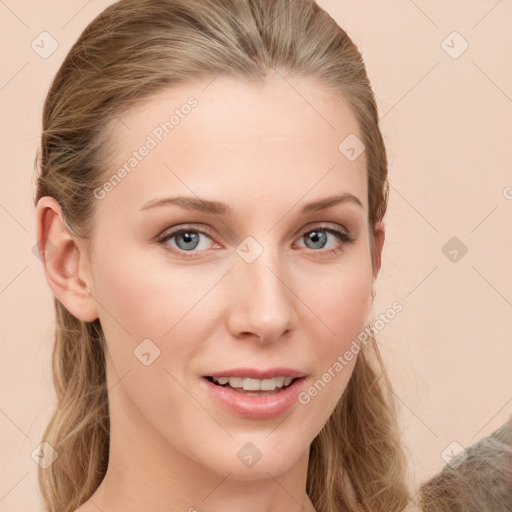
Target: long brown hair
132	50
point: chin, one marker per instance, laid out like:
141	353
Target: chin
260	471
262	466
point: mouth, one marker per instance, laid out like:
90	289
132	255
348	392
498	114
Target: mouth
245	397
254	387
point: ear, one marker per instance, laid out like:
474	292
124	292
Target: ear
65	261
379	236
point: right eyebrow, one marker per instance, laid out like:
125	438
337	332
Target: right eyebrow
191	203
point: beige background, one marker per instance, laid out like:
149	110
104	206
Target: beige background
447	125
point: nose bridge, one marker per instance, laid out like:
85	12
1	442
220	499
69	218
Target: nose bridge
264	302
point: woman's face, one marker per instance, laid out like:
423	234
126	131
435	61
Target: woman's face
259	287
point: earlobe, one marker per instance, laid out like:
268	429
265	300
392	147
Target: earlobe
65	261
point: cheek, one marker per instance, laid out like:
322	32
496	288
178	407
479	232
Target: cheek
341	300
149	315
341	304
146	297
146	300
345	314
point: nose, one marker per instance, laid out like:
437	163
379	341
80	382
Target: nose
263	304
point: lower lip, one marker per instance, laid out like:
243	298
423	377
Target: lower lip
254	406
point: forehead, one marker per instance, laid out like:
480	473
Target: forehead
224	136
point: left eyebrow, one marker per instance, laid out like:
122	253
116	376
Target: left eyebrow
218	208
328	202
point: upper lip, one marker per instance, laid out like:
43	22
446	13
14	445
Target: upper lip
255	373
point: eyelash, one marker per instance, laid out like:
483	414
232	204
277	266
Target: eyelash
166	236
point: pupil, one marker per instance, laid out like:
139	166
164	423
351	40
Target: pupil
189	238
317	237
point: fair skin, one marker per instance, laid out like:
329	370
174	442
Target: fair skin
265	152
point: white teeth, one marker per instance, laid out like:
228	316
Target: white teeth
235	382
249	384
